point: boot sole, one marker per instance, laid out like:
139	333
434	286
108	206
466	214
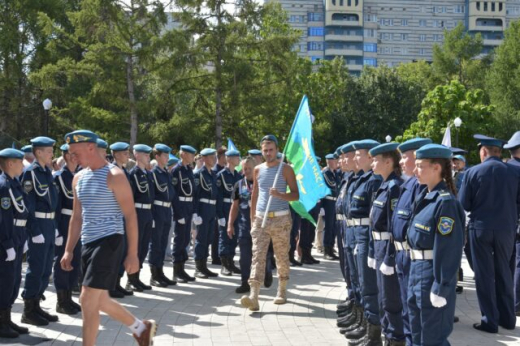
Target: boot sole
280	302
33	323
248	303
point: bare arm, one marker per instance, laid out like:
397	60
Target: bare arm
290	178
233	213
75	223
254	194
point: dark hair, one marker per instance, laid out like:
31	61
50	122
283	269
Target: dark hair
396	157
446	173
494	151
515	151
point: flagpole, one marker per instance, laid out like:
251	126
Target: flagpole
281	163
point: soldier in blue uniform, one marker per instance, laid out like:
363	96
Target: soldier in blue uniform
386	164
184	186
307	236
514	148
490	192
398	255
162	215
256	155
13	237
120	153
42	201
226	180
360	203
144	193
435	236
205	206
64	281
328	204
28	156
220	165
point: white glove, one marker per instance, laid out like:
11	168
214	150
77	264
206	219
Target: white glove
25	247
437	301
386	270
222	222
11	255
371	263
181	221
197	220
355	250
39	239
322	212
59	241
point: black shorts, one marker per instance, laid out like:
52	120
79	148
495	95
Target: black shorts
100	261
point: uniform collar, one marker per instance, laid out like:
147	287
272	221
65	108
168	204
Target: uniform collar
495	158
438	188
37	164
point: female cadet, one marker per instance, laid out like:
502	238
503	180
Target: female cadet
386	163
435	236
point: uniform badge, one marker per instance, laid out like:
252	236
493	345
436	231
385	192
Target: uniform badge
197	181
393	203
445	225
6	202
175	181
27	186
219	183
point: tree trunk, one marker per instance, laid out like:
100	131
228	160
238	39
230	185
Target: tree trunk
218	88
131	99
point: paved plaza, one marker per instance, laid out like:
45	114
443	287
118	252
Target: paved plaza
208	312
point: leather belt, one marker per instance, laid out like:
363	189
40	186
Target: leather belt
227	200
421	254
331	198
162	204
185	199
401	245
65	211
340	217
143	206
208	201
41	215
273	213
381	235
19	223
358	222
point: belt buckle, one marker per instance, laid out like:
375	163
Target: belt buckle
270	214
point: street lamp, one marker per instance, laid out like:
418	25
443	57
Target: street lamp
47	105
388	138
457	122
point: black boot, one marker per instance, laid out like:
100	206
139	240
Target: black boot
15	327
306	257
268	279
186	275
72	302
199	270
120	288
314	260
178	274
6	331
356	324
45	314
142	284
347	305
156	279
395	342
208	272
329	254
350	319
63	305
294	262
231	265
133	283
165	279
373	335
225	270
116	294
244	288
357	333
30	314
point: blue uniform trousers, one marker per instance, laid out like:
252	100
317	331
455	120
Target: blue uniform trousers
367	276
11	274
205	233
40	258
246	257
64	280
402	268
340	234
517	274
159	242
349	244
389	300
181	240
430	326
491	252
227	247
329	231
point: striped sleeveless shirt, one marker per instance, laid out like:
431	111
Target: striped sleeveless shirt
102	215
265	183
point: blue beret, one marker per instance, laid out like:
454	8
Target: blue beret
270	138
331	157
11	153
101	143
489	141
119	146
254	152
232	153
383	148
458	151
64	147
162	148
172	160
27	148
208	151
365	144
81	136
413	144
188	149
433	151
514	142
459	157
142	148
347	148
42	142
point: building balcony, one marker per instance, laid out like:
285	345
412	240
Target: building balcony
492	42
355	67
343	52
344	38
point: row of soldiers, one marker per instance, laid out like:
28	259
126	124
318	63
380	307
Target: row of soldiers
37	206
400	222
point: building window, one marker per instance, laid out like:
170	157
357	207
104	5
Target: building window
385	37
478	5
485	6
422	22
314	46
404	37
370	47
437	37
422	37
422	51
316	31
438	23
315	17
397	50
460	9
370	62
315	59
369	32
404	22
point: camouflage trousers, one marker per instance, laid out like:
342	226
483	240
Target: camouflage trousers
277	229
